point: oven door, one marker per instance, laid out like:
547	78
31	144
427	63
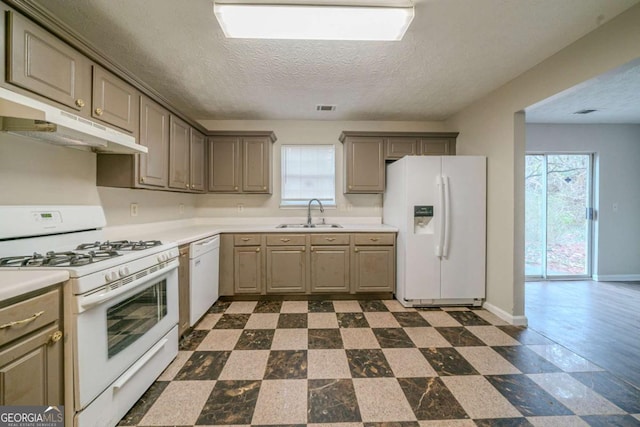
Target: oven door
114	327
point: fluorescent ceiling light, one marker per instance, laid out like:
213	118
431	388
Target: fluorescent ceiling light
313	22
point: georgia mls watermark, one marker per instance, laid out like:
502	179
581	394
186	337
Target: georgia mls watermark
31	416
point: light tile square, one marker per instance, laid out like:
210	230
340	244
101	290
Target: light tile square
237	307
425	337
382	399
327	364
479	398
564	359
175	366
558	421
281	402
394	305
208	321
294	307
262	321
574	395
492	336
347	306
220	339
455	309
447	423
179	404
322	320
439	318
245	365
334	424
358	338
487	361
408	363
490	317
290	339
381	319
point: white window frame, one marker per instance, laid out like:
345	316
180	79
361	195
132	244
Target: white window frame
304	200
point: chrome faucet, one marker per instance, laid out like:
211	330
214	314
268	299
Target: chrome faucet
309	211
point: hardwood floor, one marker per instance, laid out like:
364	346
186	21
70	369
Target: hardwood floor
598	320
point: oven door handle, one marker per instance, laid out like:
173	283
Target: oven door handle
139	364
90	301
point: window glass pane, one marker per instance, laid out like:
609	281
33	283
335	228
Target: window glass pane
308	172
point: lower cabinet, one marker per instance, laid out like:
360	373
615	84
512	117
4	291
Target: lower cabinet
247	274
374	268
330	269
286	269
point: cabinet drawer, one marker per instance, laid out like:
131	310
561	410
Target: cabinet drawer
27	316
246	240
375	239
329	239
286	240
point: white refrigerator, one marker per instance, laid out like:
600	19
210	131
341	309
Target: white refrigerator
438	204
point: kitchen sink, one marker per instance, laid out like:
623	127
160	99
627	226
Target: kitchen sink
309	226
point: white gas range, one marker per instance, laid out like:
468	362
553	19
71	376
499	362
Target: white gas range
121	303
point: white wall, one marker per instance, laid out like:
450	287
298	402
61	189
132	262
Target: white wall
302	132
617	152
494	127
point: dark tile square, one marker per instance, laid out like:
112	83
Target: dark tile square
135	414
292	320
325	339
191	341
468	318
232	321
393	424
410	319
255	339
352	320
611	421
527	397
321	307
286	365
203	365
368	364
447	361
611	388
428	309
219	307
332	401
430	399
459	336
268	307
503	422
230	402
372	305
524	335
393	338
526	360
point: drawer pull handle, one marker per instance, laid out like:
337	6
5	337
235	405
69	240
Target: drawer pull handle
20	322
245	239
356	250
329	239
284	240
55	337
304	249
374	239
313	250
257	249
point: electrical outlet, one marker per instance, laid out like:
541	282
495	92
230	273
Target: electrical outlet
134	209
181	208
240	208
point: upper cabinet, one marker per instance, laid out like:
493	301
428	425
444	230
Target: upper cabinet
154	134
365	154
240	162
114	101
179	144
197	164
39	62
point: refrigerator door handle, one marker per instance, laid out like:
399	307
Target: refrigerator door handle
447	216
440	241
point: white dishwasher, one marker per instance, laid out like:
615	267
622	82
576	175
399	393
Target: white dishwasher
203	282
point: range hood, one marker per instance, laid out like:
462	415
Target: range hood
28	117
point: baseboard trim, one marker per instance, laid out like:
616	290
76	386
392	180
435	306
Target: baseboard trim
514	320
616	277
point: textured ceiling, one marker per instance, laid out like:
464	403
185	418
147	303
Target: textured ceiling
455	52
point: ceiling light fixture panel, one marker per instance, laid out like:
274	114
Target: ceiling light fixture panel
313	22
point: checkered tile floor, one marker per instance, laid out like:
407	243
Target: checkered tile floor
375	363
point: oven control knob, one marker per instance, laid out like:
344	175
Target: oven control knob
107	277
124	271
114	275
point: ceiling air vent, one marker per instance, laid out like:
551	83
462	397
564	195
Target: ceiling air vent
321	107
585	111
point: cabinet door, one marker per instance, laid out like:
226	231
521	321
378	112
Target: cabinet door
154	134
374	268
183	290
396	148
247	272
224	164
255	165
437	147
364	162
40	63
114	101
31	370
179	142
330	269
198	148
286	269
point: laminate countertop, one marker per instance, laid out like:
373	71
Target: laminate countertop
14	283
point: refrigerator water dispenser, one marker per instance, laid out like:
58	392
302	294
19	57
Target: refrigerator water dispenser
422	219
